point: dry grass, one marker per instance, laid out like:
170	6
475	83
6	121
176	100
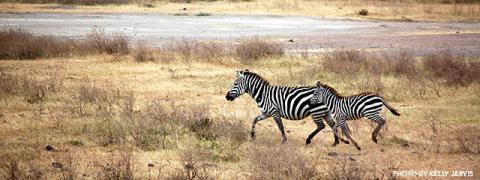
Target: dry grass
253	49
285	162
407	10
110	120
143	53
77	2
119	166
19	44
454	70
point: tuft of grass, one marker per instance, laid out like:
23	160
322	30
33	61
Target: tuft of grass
202	14
20	44
120	166
455	70
347	169
344	61
143	53
253	49
468	139
103	43
284	161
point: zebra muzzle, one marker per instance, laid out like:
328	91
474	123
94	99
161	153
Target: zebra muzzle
229	97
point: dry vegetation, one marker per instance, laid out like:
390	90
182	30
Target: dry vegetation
405	10
161	113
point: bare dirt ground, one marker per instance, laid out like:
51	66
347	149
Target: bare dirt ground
306	32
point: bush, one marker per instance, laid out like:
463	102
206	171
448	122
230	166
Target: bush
344	61
143	53
405	64
252	49
102	43
455	70
19	44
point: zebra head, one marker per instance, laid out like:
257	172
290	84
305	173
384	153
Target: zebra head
318	95
239	86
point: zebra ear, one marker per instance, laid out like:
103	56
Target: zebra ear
319	84
239	74
246	70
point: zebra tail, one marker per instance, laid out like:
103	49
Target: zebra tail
393	110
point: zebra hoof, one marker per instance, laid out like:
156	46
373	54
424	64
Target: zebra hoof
334	144
358	148
375	140
308	142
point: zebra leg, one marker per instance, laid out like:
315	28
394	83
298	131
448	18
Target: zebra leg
278	120
255	121
347	133
331	123
320	125
343	124
380	121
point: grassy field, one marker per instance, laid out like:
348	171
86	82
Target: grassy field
108	109
406	10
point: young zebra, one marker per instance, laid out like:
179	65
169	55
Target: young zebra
275	101
351	108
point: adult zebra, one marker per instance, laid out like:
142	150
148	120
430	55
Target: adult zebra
351	108
275	101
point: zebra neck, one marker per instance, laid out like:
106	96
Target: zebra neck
332	100
257	92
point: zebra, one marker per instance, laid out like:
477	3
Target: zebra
281	102
352	107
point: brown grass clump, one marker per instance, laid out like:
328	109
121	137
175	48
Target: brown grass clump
284	161
19	44
344	61
143	53
252	49
103	43
20	164
468	139
363	12
405	64
120	166
189	51
346	168
455	70
9	84
33	90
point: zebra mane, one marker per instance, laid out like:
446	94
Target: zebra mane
329	88
334	91
254	75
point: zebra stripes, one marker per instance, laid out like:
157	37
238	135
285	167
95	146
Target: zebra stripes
291	103
352	107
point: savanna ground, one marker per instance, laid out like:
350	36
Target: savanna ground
402	10
102	108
